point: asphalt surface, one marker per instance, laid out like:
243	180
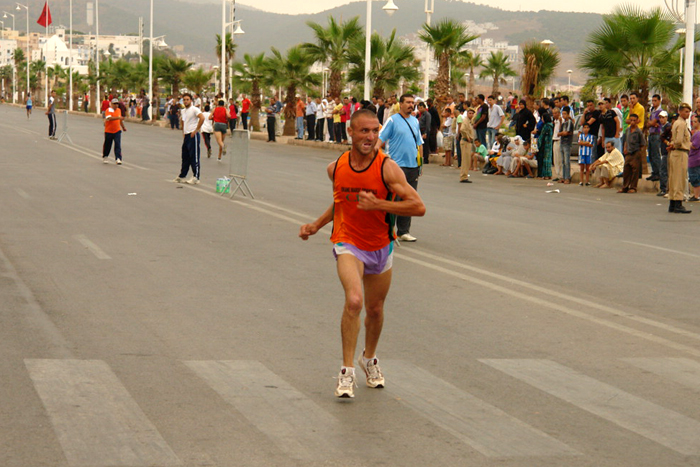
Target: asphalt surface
147	323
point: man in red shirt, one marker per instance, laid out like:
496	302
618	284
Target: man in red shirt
344	118
233	112
114	124
104	106
301	108
245	109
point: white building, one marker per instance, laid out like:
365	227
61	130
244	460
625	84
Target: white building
7	48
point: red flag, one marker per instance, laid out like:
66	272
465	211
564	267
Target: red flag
45	18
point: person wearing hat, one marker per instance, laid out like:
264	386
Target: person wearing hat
114	125
678	160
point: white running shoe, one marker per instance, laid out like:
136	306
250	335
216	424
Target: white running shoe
105	160
119	162
346	384
192	181
375	378
180	180
407	238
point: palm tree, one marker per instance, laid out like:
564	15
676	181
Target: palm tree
229	48
293	73
251	73
468	61
172	70
36	70
391	62
20	64
332	46
496	68
5	74
446	39
633	51
539	63
57	73
115	75
197	79
78	87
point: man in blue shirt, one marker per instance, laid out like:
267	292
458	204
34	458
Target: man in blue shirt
402	137
272	111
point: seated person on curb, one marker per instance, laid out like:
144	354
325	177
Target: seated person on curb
494	152
513	149
480	154
609	165
528	161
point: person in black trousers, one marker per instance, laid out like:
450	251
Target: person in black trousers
272	110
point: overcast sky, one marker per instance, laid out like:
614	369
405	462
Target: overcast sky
590	6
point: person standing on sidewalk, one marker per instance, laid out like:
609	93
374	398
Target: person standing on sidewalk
634	151
192	121
114	125
300	112
678	160
51	113
401	134
233	114
369	189
272	110
310	119
245	111
320	118
655	138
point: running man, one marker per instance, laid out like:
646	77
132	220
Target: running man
192	121
365	183
51	112
114	125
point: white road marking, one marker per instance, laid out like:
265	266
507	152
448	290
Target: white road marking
668	250
681	370
486	428
94	249
294	423
93	155
545	291
23	193
95	418
666	427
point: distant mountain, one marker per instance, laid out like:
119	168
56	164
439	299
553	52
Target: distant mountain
193	24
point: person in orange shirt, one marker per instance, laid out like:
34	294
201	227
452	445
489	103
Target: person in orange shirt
114	125
366	186
301	108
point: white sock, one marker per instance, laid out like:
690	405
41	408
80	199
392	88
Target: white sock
349	370
367	360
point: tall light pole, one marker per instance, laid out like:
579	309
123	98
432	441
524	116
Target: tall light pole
238	30
426	79
390	8
568	72
3	29
70	57
690	9
150	69
19	7
13	18
98	101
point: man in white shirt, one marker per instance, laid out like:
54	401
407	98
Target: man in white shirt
320	117
330	105
496	117
192	120
310	118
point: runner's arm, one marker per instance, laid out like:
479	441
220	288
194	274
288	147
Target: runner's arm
410	205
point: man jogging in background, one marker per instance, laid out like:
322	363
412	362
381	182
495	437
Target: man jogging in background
402	136
366	185
245	111
192	121
51	112
114	124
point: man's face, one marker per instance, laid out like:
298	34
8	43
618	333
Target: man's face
450	99
697	103
663	120
590	106
634	119
187	100
609	147
557	103
491	101
461	98
608	105
555	113
601	106
407	105
655	101
633	100
346	101
470	114
684	112
364	132
624	102
521	106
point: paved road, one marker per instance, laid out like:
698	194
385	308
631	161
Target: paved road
176	327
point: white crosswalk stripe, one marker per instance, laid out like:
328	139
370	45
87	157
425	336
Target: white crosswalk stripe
95	418
292	421
666	427
486	428
681	370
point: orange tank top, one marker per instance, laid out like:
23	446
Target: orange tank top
366	230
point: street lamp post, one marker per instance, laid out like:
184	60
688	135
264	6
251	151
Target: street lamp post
19	7
690	9
238	30
569	73
390	8
13	18
150	69
426	79
97	56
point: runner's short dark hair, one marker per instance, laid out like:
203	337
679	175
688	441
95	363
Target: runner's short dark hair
362	112
187	94
404	97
